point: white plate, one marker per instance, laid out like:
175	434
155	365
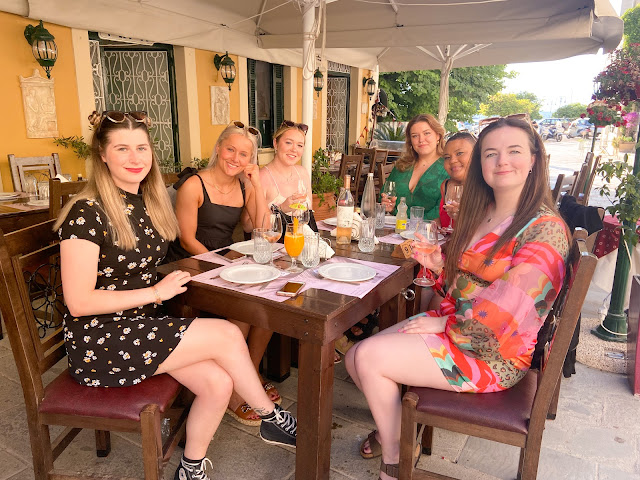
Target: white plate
38	203
333	221
246	247
410	235
8	196
347	272
249	274
390	220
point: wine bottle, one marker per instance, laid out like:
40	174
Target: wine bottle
345	213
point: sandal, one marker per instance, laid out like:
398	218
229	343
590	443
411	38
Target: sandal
343	344
374	446
393	470
336	357
243	415
271	391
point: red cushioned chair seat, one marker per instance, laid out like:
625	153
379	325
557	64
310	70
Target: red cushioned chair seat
67	397
507	410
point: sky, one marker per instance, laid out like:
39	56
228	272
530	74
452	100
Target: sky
559	82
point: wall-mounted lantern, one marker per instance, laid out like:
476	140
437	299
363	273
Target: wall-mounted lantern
43	46
226	67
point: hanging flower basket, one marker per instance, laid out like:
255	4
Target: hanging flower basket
601	114
619	82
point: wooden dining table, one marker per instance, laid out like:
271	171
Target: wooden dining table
317	318
16	213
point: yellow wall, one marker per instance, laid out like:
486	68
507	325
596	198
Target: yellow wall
207	75
16	60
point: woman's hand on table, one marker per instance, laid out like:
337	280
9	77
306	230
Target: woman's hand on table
433	261
388	202
172	284
424	324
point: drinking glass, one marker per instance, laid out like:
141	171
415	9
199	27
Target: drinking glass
451	197
310	256
30	185
416	216
366	242
293	244
274	231
43	190
380	214
262	252
303	216
430	233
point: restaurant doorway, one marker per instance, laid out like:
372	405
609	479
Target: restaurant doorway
338	111
134	75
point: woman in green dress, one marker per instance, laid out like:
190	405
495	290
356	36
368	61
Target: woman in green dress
420	171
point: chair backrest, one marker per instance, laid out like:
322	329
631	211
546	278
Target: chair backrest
21	166
352	165
380	156
369	153
383	172
169	178
584	198
33	252
561	322
60	192
564	184
581	180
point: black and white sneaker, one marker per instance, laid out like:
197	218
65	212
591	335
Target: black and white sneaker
279	427
192	471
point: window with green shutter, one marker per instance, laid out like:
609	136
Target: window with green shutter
266	98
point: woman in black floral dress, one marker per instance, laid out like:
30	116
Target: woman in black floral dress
114	234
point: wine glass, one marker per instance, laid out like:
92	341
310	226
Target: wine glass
452	197
429	231
389	191
274	231
293	243
302	190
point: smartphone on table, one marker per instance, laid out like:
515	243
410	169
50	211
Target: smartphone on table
229	254
290	289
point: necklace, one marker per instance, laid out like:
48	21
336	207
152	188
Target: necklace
285	179
233	184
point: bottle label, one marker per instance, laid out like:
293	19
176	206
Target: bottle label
345	216
401	224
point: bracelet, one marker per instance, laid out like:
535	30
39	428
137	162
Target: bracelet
158	300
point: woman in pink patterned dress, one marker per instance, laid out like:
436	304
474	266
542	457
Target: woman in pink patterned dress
503	271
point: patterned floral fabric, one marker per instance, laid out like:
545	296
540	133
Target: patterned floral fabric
496	307
124	348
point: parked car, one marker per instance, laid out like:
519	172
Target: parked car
581	127
547	122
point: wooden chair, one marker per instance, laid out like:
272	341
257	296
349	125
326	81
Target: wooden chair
515	416
60	192
564	184
352	164
20	166
581	180
382	173
369	153
583	198
63	401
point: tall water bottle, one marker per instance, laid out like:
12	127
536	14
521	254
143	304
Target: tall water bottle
345	213
368	203
401	216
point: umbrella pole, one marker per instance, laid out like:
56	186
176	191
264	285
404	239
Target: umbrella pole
443	104
308	50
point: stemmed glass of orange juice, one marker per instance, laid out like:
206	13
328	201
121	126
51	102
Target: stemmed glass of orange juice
293	244
429	231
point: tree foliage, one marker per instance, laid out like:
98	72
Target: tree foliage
412	93
631	20
572	110
502	104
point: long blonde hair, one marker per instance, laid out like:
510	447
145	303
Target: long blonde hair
478	195
234	129
409	156
100	186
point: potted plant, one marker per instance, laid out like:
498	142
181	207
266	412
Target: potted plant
324	186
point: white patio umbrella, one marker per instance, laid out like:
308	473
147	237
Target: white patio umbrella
395	35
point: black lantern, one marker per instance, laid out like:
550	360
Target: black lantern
226	67
43	46
318	81
370	85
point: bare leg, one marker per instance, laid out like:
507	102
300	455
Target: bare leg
221	341
381	363
212	387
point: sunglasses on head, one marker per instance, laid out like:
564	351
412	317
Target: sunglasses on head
116	116
515	116
251	130
301	126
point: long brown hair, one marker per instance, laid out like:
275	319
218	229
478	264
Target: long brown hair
409	156
100	186
478	195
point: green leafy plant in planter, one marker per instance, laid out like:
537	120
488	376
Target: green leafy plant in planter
76	143
322	181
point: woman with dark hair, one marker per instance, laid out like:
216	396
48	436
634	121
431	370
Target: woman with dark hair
503	271
113	235
457	155
420	171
